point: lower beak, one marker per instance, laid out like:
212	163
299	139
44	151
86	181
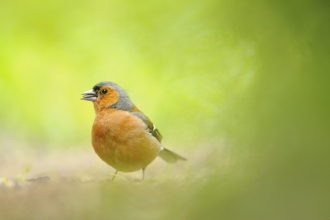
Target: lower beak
89	96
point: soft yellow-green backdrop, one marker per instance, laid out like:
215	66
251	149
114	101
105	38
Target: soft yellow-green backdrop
250	77
177	63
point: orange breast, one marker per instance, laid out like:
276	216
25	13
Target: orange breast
122	141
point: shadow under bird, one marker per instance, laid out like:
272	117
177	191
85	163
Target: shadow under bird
122	136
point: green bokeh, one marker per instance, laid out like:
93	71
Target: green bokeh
176	63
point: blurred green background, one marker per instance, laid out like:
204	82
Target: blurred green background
241	88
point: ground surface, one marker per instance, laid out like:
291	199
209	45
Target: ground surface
76	184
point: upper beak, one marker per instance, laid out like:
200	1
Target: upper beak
89	96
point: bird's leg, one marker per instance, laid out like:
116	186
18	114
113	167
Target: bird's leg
143	169
114	175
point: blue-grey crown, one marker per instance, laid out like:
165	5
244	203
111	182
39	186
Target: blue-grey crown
124	102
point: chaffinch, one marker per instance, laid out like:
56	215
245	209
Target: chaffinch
122	136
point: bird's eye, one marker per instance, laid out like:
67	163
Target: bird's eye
104	91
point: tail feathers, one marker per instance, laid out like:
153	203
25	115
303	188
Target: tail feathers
169	156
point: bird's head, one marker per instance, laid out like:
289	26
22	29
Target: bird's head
108	95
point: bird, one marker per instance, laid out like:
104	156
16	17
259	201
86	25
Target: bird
122	135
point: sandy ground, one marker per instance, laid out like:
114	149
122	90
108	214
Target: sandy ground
74	183
81	162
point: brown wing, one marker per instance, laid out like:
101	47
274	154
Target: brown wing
150	126
165	154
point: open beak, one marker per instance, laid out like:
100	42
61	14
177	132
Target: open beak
89	96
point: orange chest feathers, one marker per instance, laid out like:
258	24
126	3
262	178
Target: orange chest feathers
114	127
122	141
